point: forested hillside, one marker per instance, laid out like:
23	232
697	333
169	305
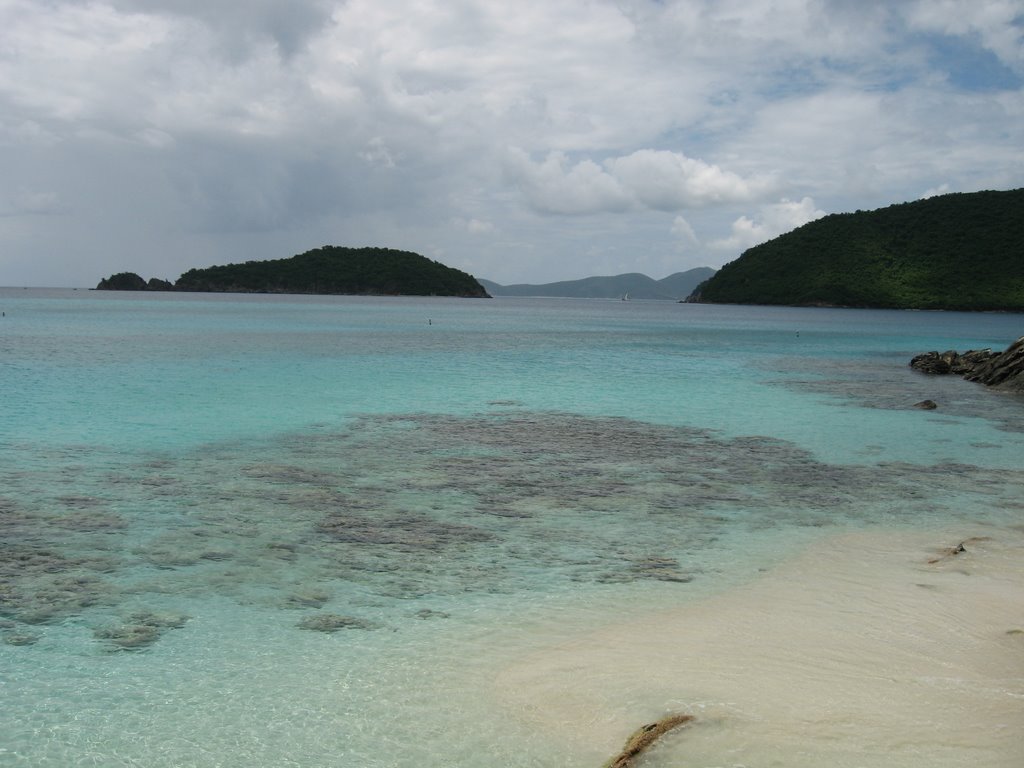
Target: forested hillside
331	269
958	251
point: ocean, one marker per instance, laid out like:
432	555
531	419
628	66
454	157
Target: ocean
253	530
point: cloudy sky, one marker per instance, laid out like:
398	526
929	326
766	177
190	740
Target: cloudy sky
526	141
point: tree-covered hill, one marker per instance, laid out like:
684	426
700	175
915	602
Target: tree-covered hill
961	251
328	270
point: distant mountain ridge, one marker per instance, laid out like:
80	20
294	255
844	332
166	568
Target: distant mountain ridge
962	251
635	285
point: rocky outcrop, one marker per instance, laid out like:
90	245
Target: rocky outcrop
1004	370
122	281
951	361
129	281
993	369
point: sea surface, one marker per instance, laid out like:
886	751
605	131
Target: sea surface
271	531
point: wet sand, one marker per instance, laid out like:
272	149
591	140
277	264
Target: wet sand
868	649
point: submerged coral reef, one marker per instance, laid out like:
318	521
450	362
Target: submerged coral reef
402	507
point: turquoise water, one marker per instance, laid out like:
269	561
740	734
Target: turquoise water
272	531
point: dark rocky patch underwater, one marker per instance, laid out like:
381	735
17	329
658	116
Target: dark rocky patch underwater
399	507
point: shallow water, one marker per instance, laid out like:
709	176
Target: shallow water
311	531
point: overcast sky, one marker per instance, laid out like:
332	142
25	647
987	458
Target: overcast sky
526	141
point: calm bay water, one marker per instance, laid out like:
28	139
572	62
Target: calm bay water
312	531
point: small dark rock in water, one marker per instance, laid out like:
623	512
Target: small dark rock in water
91	522
283	550
215	555
140	630
429	613
333	622
129	636
161	620
40	585
310	598
17	638
660	569
927	405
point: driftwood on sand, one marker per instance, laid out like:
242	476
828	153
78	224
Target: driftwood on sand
644	737
954	551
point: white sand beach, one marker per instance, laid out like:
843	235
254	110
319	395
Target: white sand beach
859	652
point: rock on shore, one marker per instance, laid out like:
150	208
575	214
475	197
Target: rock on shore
993	369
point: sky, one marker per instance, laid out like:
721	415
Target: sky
522	142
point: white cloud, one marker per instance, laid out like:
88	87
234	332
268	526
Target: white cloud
645	179
32	203
479	227
71	62
243	27
556	186
772	221
156	138
935	191
998	24
474	226
377	153
248	128
681	228
671	181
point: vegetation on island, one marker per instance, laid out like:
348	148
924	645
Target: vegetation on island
129	281
327	270
962	251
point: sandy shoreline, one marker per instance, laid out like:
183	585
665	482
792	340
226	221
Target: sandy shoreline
858	652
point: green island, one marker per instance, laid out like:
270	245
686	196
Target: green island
961	251
328	270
